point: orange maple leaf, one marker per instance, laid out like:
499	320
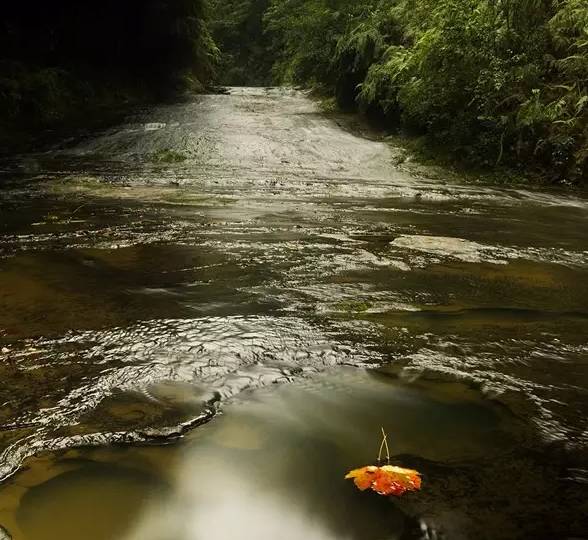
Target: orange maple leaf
386	480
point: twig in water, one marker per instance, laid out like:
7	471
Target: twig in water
384	444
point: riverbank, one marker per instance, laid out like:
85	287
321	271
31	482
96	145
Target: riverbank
412	151
67	108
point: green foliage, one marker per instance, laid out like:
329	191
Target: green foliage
237	27
61	57
43	93
360	47
492	81
306	34
167	155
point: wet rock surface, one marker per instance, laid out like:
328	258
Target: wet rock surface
154	272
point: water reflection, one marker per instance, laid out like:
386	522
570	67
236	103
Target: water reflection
232	508
154	379
273	467
94	502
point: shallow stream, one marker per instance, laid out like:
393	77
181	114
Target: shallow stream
208	312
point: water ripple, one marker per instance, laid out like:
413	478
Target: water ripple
155	378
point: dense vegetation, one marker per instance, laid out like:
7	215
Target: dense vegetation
58	56
494	81
491	81
246	49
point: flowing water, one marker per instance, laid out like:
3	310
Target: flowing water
208	312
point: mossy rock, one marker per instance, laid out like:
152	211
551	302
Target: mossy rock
167	155
354	306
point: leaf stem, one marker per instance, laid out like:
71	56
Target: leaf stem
384	444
